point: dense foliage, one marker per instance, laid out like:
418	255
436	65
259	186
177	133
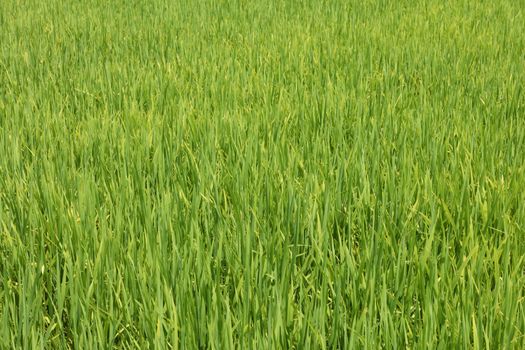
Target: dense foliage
262	174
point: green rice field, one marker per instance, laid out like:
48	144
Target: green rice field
250	174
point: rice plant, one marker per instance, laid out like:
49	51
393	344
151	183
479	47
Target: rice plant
282	174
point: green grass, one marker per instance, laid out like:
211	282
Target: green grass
262	174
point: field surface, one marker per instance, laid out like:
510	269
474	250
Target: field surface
262	174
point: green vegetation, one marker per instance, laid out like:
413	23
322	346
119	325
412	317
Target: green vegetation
262	174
